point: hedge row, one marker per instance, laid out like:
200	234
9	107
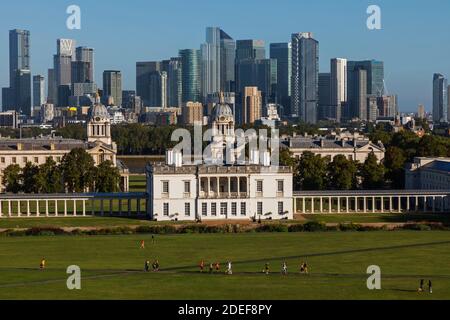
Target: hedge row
229	228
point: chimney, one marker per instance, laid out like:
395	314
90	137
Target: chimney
169	157
52	147
19	146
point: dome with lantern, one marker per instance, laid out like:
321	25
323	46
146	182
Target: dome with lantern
222	112
98	112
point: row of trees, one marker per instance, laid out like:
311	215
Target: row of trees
312	172
76	173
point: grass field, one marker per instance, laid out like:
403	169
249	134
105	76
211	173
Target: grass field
111	266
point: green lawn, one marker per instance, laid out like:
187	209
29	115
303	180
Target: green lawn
111	266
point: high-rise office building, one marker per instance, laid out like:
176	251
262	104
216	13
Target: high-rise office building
440	98
81	72
338	94
85	54
251	105
261	73
282	52
38	90
211	62
112	86
227	62
192	113
174	82
143	71
190	75
372	108
325	110
305	77
62	66
18	95
357	93
158	89
51	87
250	49
375	75
421	111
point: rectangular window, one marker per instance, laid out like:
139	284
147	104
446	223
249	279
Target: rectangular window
204	209
214	209
14	160
3	160
187	187
280	207
280	184
259	186
224	208
58	159
234	208
166	209
260	208
243	209
187	209
36	160
25	160
165	186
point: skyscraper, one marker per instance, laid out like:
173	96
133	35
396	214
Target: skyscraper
38	90
357	94
338	93
51	87
112	86
227	62
174	83
251	105
421	111
440	98
211	62
62	66
85	54
143	71
18	95
325	110
81	72
190	75
158	89
375	75
261	73
250	49
282	52
305	77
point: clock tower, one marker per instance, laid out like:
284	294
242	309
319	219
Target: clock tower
99	125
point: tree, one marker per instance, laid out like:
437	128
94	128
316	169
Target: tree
78	170
372	173
433	146
49	179
394	163
12	176
342	173
107	177
29	178
287	159
312	171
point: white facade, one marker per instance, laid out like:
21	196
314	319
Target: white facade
190	193
428	174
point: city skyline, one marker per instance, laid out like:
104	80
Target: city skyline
396	44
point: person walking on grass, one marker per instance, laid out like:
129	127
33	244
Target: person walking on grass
211	267
142	244
284	269
229	270
147	266
421	285
42	264
266	268
202	266
217	266
430	287
156	266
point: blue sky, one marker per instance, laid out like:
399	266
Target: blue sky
413	43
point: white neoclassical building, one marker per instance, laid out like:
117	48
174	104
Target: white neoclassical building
37	150
214	191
